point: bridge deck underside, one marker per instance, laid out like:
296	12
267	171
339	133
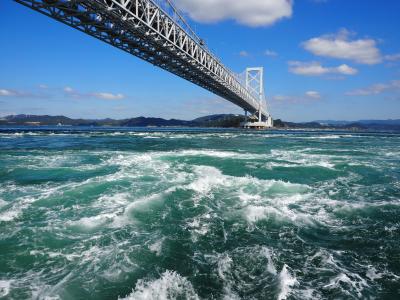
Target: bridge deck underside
113	22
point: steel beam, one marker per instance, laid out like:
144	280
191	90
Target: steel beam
143	29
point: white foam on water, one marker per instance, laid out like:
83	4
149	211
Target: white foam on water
156	247
114	200
2	203
395	154
321	137
41	290
5	287
254	214
224	266
39	161
259	199
91	223
199	226
214	153
219	154
271	165
270	265
48	253
110	262
27	195
136	165
9	215
244	269
348	282
336	283
224	269
203	136
143	204
229	294
286	282
248	198
309	293
113	207
392	229
54	254
126	159
303	158
345	280
208	177
170	286
16	134
278	209
17	208
373	274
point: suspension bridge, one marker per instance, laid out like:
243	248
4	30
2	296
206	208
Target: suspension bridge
155	31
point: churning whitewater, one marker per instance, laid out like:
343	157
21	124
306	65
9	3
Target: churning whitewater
198	214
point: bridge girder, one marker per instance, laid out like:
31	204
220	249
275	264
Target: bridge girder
143	29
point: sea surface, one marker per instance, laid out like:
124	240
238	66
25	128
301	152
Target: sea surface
112	213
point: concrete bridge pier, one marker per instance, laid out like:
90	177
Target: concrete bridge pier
255	123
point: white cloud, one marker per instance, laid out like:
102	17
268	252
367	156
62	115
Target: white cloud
7	93
345	70
282	98
244	53
108	96
270	53
308	97
363	51
15	93
313	94
250	12
392	57
316	69
376	89
70	92
99	95
68	89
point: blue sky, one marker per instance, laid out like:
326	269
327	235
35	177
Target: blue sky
323	59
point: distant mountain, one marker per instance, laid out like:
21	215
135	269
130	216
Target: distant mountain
218	120
393	125
364	122
382	122
208	121
211	118
145	122
333	122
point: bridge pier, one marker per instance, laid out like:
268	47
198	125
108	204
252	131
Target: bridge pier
255	123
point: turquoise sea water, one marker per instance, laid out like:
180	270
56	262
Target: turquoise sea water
198	214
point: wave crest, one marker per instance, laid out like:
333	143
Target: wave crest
170	286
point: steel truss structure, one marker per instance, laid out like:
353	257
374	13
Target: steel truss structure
255	85
143	29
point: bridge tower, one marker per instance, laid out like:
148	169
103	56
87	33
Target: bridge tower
255	85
